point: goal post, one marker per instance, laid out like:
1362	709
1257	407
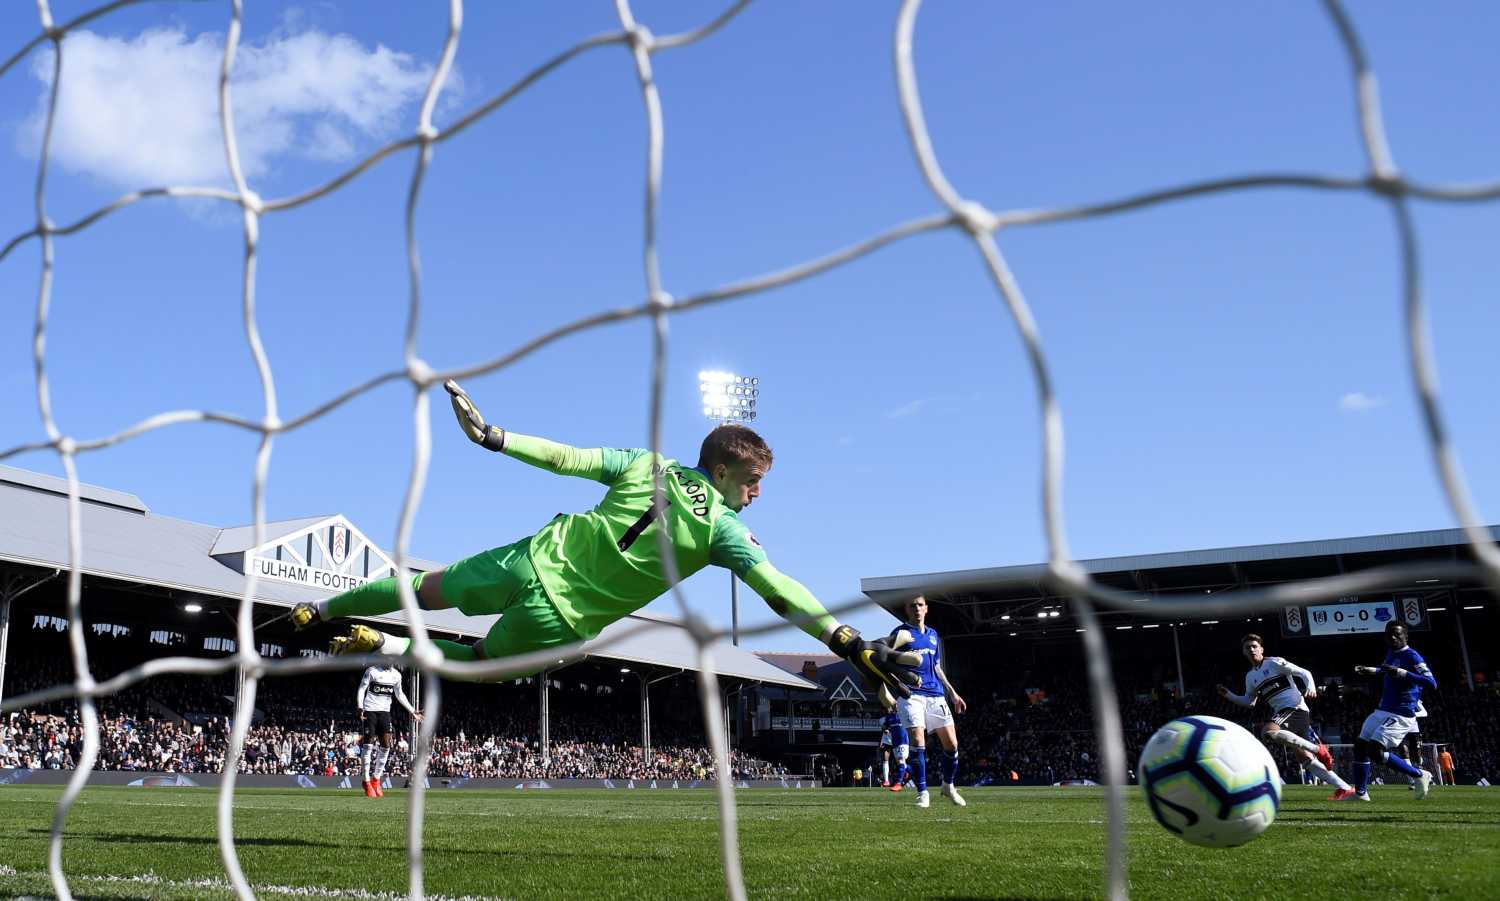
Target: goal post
1379	178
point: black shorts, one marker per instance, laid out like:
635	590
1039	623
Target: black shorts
1294	720
377	722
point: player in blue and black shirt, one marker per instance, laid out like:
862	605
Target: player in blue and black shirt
1405	675
893	745
928	710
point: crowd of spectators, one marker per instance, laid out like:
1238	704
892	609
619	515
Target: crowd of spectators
1049	736
180	724
55	741
1040	733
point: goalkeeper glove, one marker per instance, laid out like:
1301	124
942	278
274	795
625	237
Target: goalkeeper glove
486	436
876	661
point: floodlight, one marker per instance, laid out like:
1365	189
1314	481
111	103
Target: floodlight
727	396
193	608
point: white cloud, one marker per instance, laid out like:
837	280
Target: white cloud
1360	402
144	111
908	409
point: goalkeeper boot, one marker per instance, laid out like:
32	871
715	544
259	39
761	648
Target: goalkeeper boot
922	800
360	640
950	791
305	616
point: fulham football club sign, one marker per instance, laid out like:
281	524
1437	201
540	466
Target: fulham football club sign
327	554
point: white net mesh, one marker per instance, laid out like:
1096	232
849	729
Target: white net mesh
1383	180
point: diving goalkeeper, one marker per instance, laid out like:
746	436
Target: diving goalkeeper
583	571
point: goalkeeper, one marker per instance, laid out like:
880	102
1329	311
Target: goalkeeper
583	571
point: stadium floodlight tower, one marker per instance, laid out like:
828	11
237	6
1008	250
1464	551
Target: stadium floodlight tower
729	397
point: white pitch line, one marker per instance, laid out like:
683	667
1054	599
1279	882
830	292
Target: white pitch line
296	891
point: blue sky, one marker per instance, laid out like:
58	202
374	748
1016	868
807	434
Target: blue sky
1231	368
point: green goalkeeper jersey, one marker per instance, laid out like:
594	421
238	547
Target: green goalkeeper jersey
598	566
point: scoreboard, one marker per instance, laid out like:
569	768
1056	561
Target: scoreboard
1352	616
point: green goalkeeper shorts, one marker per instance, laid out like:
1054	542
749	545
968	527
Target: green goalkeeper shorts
503	581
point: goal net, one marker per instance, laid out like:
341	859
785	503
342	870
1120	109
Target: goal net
1344	760
954	210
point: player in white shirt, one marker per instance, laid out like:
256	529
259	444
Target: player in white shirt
1282	688
380	684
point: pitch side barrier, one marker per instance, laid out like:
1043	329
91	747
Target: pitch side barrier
141	779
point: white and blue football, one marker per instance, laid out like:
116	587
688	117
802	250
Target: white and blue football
1209	781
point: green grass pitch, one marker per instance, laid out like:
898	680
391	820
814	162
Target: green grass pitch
812	843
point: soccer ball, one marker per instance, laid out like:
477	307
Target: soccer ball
1209	781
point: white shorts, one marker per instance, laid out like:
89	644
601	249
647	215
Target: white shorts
924	712
1389	729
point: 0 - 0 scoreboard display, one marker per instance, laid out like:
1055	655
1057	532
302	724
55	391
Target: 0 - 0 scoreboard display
1352	616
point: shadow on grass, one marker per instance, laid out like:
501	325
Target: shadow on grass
433	848
998	898
127	838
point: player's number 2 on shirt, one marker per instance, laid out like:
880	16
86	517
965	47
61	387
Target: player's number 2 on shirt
640	525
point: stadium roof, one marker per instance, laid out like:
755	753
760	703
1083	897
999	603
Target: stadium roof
985	594
124	541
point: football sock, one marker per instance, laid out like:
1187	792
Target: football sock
400	645
366	756
885	771
919	767
950	766
381	754
1289	738
1396	761
1361	776
1327	775
369	599
395	645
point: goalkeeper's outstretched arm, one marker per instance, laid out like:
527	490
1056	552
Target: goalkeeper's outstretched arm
600	464
873	660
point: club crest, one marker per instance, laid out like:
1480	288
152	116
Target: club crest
338	544
1411	610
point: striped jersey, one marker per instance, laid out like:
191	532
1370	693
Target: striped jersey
1277	683
379	685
